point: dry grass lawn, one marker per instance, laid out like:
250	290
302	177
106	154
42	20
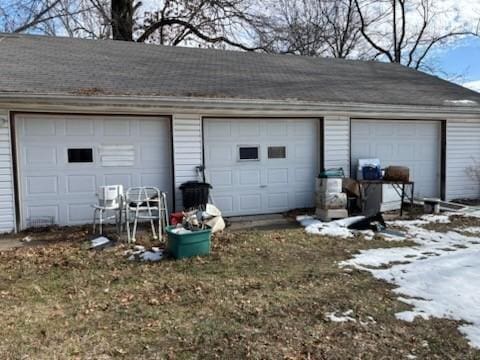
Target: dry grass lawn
262	295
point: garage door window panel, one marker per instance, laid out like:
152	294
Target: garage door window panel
80	155
248	153
277	152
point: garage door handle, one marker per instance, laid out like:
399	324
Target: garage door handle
263	186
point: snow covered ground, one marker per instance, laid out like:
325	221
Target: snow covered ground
338	228
439	277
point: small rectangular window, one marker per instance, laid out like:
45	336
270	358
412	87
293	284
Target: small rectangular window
277	152
248	153
80	155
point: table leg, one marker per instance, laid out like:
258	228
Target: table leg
402	198
361	198
412	194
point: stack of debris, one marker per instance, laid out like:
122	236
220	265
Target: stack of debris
331	202
194	220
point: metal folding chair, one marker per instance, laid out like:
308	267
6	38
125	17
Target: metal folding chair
146	204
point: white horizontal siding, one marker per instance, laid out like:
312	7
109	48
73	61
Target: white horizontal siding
187	150
337	142
7	207
463	150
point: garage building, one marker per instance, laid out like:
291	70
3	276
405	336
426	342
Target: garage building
77	114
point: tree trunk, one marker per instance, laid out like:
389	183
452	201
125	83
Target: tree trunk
122	20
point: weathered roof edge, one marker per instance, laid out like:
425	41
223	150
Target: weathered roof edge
20	101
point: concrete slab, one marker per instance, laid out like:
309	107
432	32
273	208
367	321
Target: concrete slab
261	222
8	244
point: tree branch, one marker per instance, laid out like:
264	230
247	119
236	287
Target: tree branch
38	18
193	29
436	40
365	35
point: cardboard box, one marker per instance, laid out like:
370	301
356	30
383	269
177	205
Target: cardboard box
328	185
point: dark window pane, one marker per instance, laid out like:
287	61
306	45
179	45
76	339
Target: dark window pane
80	155
277	152
248	153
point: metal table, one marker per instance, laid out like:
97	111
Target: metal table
398	186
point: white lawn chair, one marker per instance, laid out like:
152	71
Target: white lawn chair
146	204
109	200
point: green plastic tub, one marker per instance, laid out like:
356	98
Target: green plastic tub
196	243
332	173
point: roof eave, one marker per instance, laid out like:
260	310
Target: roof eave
61	102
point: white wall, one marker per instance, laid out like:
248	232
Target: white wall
7	208
337	142
463	147
187	150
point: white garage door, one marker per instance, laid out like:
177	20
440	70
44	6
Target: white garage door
261	166
415	144
64	159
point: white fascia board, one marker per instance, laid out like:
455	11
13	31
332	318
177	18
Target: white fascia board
220	106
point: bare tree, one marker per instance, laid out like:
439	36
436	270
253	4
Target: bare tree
169	22
21	15
291	27
404	31
216	22
311	27
78	18
75	18
122	12
173	22
343	30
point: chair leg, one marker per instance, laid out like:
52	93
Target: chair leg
127	219
94	220
152	224
101	222
161	212
135	223
165	213
117	221
154	233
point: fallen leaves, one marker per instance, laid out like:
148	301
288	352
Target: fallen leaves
262	295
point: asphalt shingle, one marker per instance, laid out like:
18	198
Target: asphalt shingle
46	65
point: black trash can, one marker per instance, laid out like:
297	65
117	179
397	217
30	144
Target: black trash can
195	194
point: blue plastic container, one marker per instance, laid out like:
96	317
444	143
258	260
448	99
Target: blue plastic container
371	173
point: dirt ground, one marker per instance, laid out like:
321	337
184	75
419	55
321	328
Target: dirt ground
261	295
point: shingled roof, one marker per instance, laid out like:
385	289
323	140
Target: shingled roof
37	65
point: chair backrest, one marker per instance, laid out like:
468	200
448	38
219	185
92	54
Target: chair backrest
110	196
143	196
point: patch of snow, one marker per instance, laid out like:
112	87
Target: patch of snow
461	102
471	229
145	255
475	213
370	320
343	317
346	316
423	220
337	228
439	276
